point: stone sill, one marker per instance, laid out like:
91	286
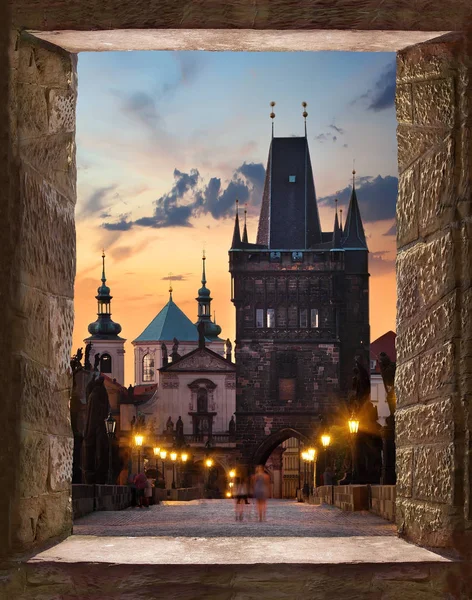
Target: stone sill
237	551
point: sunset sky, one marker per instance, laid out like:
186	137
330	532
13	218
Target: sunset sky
166	141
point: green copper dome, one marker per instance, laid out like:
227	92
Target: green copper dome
104	328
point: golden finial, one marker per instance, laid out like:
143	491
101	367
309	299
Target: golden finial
341	218
103	252
353	172
336	204
237	207
305	114
272	116
170	284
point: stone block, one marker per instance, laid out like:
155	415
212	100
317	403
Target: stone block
61	111
425	424
431	328
41	518
40	65
42	407
426	523
61	324
437	372
54	157
433	474
414	142
404	103
436	269
408	298
404	470
60	463
48	230
33	466
407	207
31	324
433	60
406	383
433	103
32	111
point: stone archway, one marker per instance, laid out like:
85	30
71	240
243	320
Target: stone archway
38	184
270	443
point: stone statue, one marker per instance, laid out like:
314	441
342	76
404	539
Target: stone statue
170	425
133	423
96	361
89	387
201	334
179	430
165	358
232	426
360	384
228	349
141	422
75	362
175	350
130	392
95	437
87	364
388	370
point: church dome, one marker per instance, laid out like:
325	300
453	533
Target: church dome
104	327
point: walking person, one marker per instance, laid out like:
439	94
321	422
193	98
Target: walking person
147	493
261	491
241	497
140	481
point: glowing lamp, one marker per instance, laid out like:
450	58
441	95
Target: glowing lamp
305	456
325	440
209	462
184	457
173	456
163	454
228	494
353	424
138	440
156	451
232	474
311	453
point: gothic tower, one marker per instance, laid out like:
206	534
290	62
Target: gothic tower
302	307
104	336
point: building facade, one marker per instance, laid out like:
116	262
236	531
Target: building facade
378	394
302	308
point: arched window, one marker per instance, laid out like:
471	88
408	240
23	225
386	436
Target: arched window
202	400
148	367
105	363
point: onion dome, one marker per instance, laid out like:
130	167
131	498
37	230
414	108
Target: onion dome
104	327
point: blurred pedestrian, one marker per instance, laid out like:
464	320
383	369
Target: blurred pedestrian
241	494
140	481
261	491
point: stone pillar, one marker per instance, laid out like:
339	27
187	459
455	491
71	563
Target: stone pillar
37	274
434	320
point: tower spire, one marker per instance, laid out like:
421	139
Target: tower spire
203	268
354	236
272	116
170	286
237	232
245	239
336	230
211	330
103	266
104	326
341	219
305	114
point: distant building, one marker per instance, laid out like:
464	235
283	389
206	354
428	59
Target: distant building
385	343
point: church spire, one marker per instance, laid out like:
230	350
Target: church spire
272	116
204	307
305	114
104	327
237	232
337	229
354	236
245	239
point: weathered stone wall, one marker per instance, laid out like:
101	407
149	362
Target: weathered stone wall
434	326
40	304
382	501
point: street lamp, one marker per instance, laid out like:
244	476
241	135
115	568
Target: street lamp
138	440
208	465
156	451
311	459
325	442
353	428
173	458
163	454
232	473
110	425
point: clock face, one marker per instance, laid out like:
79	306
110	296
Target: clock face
297	256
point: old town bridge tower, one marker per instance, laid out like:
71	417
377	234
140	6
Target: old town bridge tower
302	307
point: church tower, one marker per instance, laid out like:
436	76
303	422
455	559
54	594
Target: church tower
302	306
104	335
212	330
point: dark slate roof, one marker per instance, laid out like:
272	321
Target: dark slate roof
289	213
168	324
354	236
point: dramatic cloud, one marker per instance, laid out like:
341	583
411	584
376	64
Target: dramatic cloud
328	135
190	196
337	129
95	202
140	107
392	230
382	95
377	197
179	277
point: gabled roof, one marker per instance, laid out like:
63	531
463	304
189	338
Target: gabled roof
168	324
385	343
201	360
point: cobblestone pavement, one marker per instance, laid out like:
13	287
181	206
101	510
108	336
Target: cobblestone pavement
215	518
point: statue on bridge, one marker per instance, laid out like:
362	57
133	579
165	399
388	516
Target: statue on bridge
95	437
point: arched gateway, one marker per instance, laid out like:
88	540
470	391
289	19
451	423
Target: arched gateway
268	445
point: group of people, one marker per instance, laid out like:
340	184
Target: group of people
256	487
143	487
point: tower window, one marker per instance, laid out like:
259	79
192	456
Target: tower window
303	317
105	363
259	317
292	178
314	318
270	318
148	368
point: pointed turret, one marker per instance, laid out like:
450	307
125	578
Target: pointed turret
212	330
336	230
341	220
245	238
104	327
236	243
354	236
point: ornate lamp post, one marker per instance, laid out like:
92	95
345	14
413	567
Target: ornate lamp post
138	440
184	459
325	442
110	424
312	459
353	429
208	465
306	487
163	454
173	458
156	451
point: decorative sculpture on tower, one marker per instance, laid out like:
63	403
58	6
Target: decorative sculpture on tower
388	370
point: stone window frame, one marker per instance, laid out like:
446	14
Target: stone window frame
106	355
148	371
